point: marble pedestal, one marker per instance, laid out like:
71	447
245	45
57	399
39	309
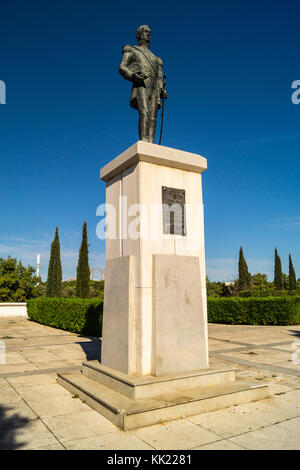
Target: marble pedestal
154	359
155	290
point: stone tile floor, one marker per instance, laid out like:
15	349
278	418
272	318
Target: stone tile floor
37	413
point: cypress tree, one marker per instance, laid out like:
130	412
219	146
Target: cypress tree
278	281
83	270
292	275
50	271
54	281
244	275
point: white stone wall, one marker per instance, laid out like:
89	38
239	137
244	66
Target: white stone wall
11	309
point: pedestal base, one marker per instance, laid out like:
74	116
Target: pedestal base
131	402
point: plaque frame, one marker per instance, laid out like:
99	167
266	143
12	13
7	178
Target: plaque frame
173	224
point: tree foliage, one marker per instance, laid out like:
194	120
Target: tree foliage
292	275
259	281
214	289
69	289
16	281
244	275
54	281
278	278
83	269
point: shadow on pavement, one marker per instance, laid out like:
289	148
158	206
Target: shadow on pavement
9	426
92	349
295	333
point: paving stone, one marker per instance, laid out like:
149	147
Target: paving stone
15	368
31	380
8	396
291	425
112	441
180	434
230	422
273	437
51	447
252	334
218	363
274	410
4	385
79	425
58	364
220	445
25	435
57	405
277	383
75	358
43	391
289	365
18	410
263	356
215	345
13	358
39	356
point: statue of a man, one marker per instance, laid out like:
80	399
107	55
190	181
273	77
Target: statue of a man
141	67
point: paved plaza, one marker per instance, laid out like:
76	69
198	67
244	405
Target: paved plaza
37	413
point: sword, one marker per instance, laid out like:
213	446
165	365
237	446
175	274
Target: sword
163	110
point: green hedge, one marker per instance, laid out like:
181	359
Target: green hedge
77	315
254	311
84	316
267	293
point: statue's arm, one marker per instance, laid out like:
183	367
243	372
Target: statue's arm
125	62
160	74
162	91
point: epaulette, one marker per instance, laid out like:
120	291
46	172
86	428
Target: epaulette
160	61
127	48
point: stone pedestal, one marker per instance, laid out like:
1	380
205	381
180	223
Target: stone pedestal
155	319
154	365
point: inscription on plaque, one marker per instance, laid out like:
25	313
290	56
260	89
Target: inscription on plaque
173	201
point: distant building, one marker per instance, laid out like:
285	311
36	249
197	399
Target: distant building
94	270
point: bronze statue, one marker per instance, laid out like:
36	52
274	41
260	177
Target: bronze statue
141	67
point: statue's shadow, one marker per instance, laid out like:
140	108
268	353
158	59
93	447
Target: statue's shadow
92	349
295	333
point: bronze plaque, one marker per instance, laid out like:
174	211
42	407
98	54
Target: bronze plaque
173	201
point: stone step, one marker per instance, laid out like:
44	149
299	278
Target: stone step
137	387
128	413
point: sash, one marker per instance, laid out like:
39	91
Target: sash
147	58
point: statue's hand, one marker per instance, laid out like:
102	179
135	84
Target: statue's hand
164	94
137	79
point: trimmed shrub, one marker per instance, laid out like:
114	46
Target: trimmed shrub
82	316
268	293
254	311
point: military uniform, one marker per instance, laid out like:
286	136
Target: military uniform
146	97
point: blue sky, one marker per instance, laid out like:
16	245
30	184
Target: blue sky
229	65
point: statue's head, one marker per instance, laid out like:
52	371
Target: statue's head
143	33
